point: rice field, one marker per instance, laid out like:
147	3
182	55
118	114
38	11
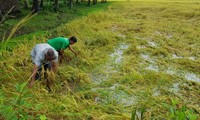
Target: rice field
137	60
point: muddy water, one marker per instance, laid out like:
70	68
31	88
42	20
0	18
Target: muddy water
151	63
103	73
184	74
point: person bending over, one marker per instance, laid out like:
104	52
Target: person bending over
43	55
61	43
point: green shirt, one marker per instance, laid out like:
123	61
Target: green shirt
59	43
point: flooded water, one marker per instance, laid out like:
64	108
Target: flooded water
170	71
120	35
152	67
147	58
141	47
175	88
185	74
166	35
152	44
192	58
176	57
169	36
106	71
116	97
192	77
156	92
117	56
112	94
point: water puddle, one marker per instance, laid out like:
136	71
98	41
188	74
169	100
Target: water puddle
141	47
192	77
114	86
111	94
192	58
152	67
170	70
118	97
147	58
156	92
169	36
152	44
175	88
120	35
149	41
183	74
106	71
176	57
117	56
98	77
166	35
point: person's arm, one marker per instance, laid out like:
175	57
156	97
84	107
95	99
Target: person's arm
70	48
33	76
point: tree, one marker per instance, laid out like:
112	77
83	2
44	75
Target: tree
103	1
25	4
56	5
71	3
41	4
88	3
94	2
35	7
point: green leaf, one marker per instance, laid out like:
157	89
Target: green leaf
174	102
171	110
142	111
133	114
17	86
43	117
181	116
192	116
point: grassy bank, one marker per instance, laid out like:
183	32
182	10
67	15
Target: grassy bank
47	19
136	59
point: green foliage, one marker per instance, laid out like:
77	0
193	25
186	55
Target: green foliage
182	112
47	20
138	113
15	108
43	117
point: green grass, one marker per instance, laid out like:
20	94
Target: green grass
47	20
126	68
